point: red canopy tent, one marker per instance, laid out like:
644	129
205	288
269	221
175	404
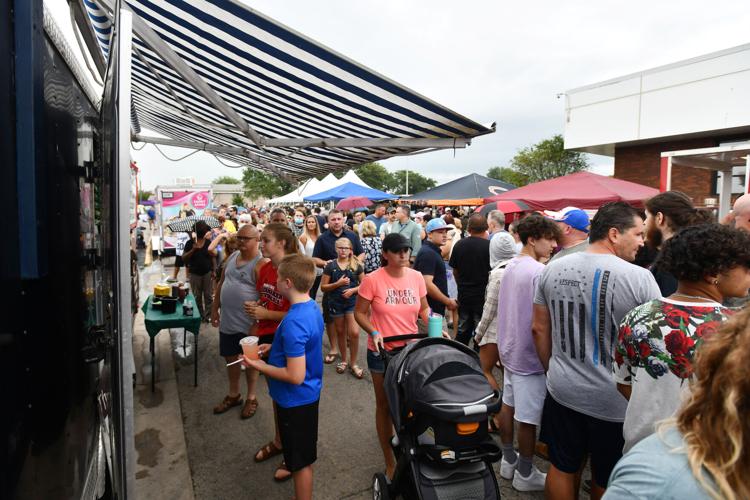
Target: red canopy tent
583	190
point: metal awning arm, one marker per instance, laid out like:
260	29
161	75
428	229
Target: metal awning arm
157	45
369	142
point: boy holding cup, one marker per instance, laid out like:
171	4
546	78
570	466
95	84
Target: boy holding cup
294	371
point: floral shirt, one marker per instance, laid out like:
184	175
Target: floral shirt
654	355
373	250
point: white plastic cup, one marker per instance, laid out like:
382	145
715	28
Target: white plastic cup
250	347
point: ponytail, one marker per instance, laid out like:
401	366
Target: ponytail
282	232
678	210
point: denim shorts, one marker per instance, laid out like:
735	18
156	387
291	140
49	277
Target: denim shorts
375	362
338	307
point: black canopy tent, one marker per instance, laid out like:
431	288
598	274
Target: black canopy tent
468	190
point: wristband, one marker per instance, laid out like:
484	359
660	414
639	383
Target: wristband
375	332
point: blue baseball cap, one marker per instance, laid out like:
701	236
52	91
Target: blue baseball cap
435	224
572	216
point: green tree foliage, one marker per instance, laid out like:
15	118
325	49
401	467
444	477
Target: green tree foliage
259	184
238	200
144	195
509	175
417	182
225	179
375	175
548	159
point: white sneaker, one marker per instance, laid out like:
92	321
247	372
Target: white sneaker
507	469
534	481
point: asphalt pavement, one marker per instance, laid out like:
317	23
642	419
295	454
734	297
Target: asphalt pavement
220	448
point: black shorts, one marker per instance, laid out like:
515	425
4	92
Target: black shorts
326	308
571	435
229	343
298	427
178	262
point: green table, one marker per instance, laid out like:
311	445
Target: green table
156	321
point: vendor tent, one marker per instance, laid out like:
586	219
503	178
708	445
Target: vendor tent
350	176
218	76
583	190
467	190
350	189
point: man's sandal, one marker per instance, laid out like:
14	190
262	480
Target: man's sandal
251	406
285	473
357	371
341	367
330	358
267	451
227	403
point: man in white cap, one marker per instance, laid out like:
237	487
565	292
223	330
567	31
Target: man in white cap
574	224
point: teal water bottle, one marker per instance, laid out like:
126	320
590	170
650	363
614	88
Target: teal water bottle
435	326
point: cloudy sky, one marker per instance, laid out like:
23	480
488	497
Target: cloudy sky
492	61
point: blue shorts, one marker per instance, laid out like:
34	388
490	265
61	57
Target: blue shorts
338	306
375	362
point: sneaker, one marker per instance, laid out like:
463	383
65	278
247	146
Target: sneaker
533	482
507	469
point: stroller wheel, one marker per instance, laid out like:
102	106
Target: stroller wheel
380	487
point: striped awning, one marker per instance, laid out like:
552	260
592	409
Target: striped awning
217	75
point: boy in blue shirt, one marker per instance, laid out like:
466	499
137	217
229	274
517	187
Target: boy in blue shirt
295	371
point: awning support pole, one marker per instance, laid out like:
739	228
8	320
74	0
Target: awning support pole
725	195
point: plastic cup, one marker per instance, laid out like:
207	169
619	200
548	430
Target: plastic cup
250	347
435	326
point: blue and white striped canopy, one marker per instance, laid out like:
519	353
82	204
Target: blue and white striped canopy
287	88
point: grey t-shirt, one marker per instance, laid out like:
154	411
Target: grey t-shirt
238	286
588	295
579	247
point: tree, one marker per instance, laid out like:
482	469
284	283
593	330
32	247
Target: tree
259	184
375	175
548	159
225	179
144	195
417	182
509	175
238	200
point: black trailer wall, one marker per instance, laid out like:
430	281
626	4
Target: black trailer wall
50	416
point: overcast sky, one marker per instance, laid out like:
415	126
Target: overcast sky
492	61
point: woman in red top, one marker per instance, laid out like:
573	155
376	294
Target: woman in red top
277	241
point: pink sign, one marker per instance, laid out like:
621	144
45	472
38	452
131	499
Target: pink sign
200	200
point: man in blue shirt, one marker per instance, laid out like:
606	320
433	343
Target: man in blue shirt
430	263
324	252
378	217
295	373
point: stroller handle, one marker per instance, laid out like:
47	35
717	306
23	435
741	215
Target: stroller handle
385	355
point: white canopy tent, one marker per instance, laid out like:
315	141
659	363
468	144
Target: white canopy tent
351	176
314	186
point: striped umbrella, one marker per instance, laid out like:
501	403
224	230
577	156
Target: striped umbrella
186	224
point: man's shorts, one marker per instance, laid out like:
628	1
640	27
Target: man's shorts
229	343
571	435
525	394
178	262
338	307
298	427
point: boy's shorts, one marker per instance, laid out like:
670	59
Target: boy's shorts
298	427
229	343
338	307
571	435
525	394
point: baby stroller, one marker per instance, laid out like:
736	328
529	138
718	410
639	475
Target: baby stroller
440	401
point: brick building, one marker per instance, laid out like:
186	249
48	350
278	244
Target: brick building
683	126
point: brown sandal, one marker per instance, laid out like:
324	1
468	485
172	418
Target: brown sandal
267	451
341	367
227	403
357	371
286	473
251	406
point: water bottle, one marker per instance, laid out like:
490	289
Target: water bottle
435	326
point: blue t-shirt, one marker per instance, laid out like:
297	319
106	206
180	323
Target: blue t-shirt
299	333
377	220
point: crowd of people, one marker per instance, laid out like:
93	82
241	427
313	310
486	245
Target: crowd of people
611	335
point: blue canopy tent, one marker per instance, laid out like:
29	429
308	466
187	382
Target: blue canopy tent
350	189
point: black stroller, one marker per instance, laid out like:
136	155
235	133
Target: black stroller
440	402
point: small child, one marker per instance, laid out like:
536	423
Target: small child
341	279
295	371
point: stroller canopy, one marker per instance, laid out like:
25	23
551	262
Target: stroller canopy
437	376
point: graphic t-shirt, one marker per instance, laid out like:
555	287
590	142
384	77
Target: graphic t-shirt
587	295
514	313
182	239
300	333
395	303
654	355
335	272
269	297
